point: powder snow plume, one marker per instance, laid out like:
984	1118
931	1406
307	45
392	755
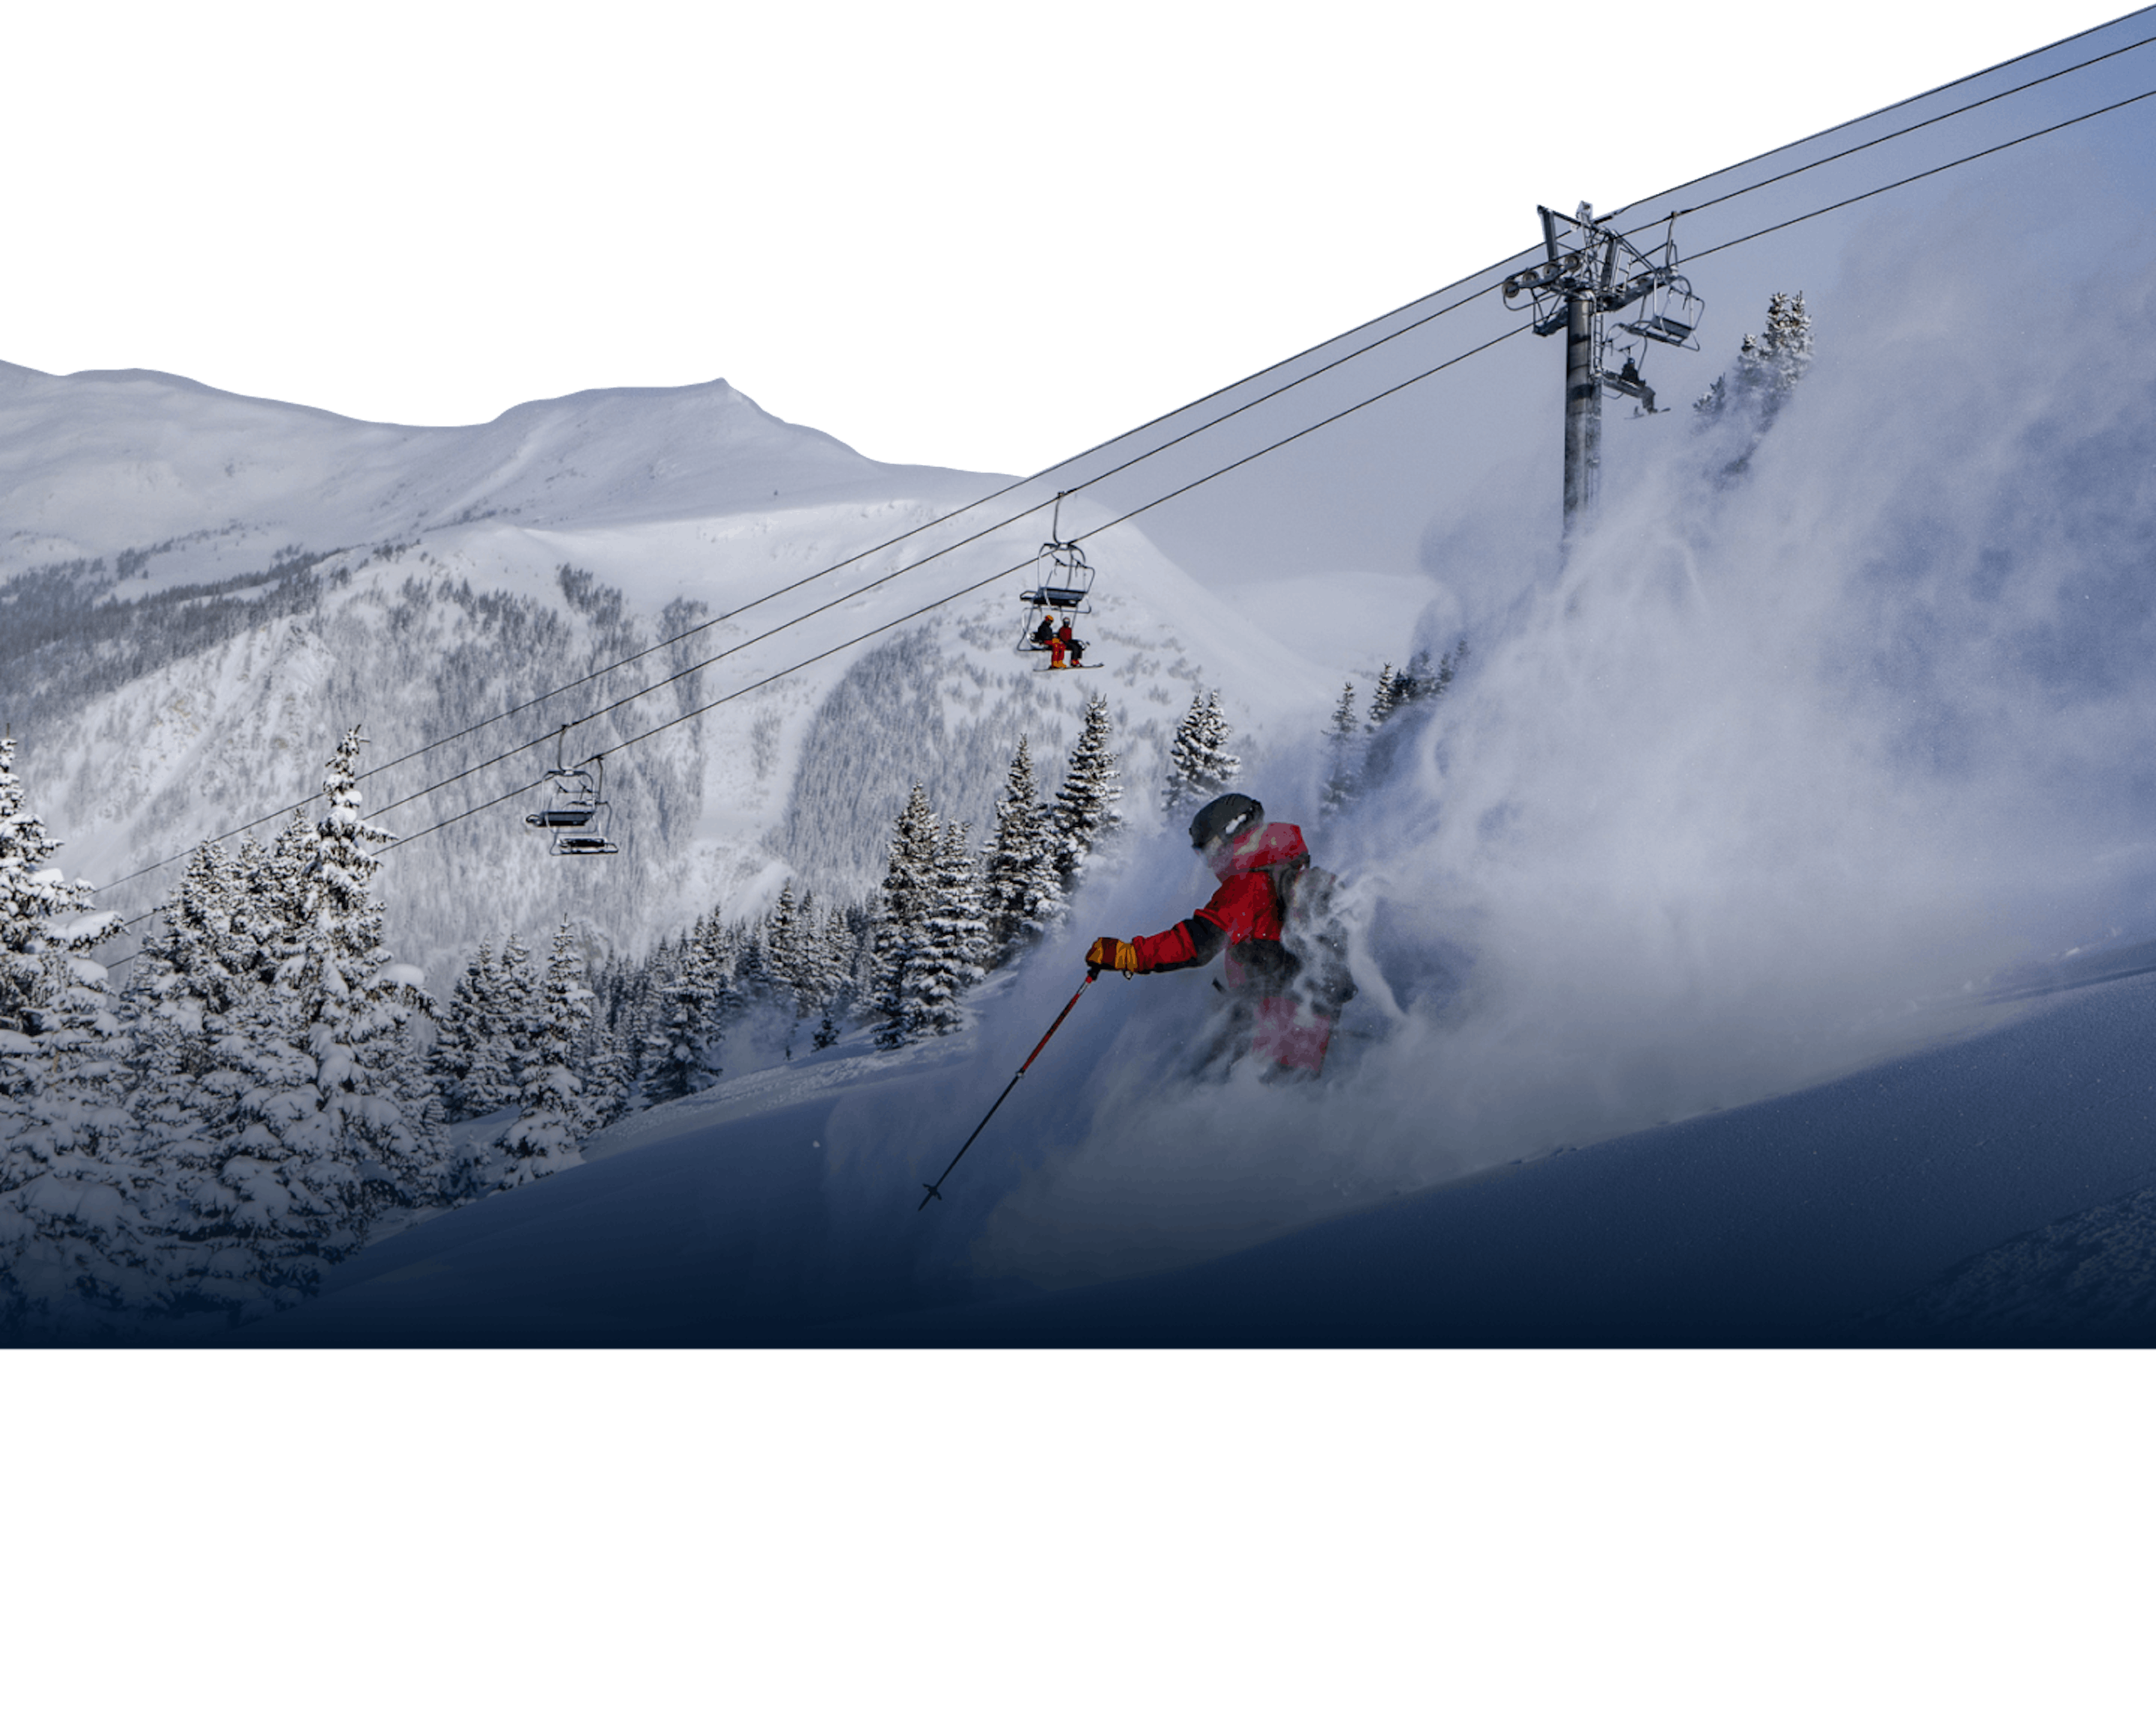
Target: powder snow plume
1770	780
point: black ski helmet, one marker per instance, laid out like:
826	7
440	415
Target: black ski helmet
1228	816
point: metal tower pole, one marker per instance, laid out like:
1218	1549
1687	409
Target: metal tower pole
1583	411
1578	282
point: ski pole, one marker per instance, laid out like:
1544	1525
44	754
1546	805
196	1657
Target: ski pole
934	1190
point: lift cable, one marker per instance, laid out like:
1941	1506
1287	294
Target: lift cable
1891	107
1118	520
1911	179
1228	388
1270	448
976	585
1886	137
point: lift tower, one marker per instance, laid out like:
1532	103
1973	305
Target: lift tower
1588	270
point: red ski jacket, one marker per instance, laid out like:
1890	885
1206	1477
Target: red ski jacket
1244	915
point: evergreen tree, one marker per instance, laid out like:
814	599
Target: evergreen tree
902	914
1340	738
1022	896
499	1078
188	977
1417	684
1768	368
550	1105
1199	766
608	1080
1448	666
1084	815
954	940
75	1247
681	1049
469	1061
312	1131
1415	681
838	948
785	963
356	1002
813	977
1385	697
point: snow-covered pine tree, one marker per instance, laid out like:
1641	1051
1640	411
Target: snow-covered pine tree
954	939
735	960
315	1074
197	960
188	974
622	997
76	1249
608	1078
1448	666
1768	368
1785	349
838	948
1022	894
681	1048
466	1032
275	907
1340	738
218	1071
514	1004
1418	684
356	1002
1199	766
1385	697
902	916
784	961
1085	815
812	982
550	1104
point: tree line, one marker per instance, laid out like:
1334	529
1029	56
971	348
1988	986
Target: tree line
270	1087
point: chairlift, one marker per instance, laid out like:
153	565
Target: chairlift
576	813
1670	312
1062	582
1617	365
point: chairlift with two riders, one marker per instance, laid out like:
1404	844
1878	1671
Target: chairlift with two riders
1062	583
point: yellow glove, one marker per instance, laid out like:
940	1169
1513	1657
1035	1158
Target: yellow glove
1113	954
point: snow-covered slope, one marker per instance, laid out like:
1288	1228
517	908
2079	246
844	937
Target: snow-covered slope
769	1211
205	590
1790	767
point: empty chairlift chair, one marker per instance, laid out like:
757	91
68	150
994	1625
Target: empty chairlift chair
576	813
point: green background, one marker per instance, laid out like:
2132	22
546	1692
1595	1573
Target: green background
977	236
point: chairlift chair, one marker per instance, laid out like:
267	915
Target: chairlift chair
1062	581
576	813
1670	315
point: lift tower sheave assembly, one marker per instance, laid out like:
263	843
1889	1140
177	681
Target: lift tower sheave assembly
1588	270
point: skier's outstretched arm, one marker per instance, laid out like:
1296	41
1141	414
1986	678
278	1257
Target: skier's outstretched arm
1197	940
1188	945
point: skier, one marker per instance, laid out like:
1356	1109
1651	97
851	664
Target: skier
1045	633
1071	643
1058	643
1284	971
